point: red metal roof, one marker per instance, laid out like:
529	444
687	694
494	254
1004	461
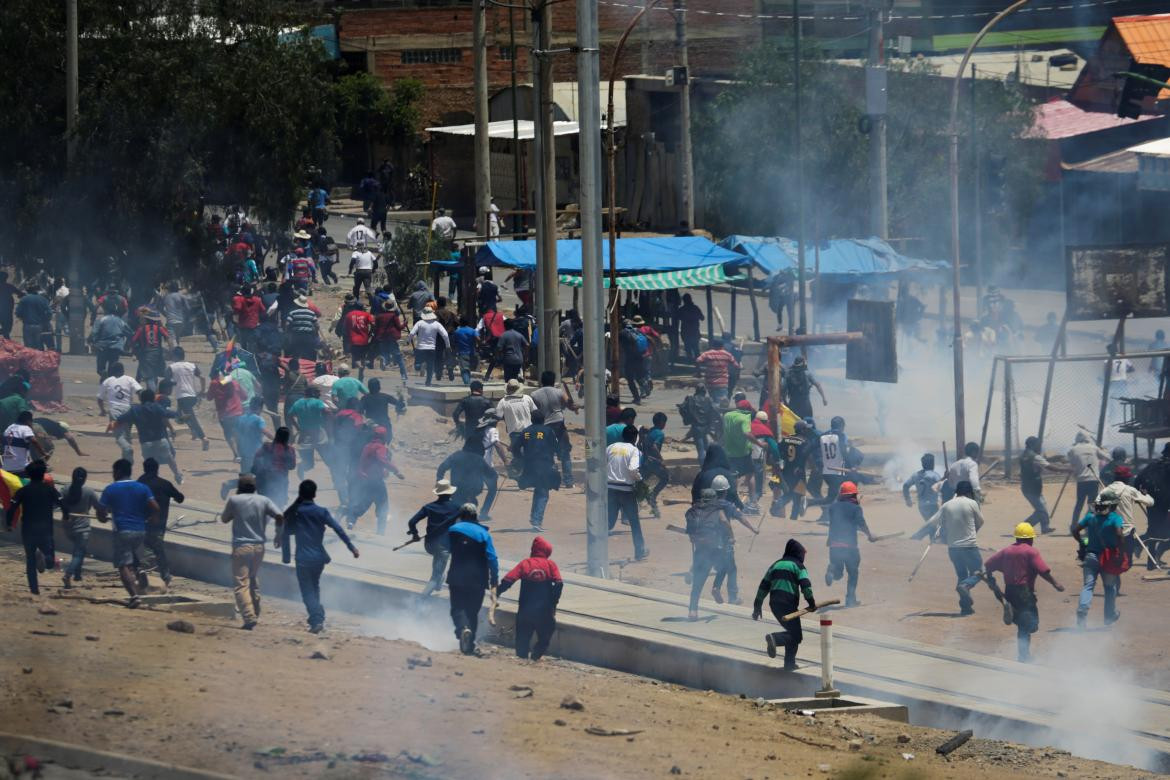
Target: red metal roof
1148	40
1061	119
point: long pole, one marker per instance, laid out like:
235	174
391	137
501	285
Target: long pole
517	219
957	336
589	143
686	190
76	299
483	170
548	351
798	149
977	174
876	108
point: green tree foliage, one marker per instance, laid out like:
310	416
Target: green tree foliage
180	100
746	165
368	111
404	254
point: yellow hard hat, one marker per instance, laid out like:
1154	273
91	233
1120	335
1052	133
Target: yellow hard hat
1025	531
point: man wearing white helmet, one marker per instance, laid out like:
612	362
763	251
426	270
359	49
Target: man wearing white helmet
487	293
359	235
726	567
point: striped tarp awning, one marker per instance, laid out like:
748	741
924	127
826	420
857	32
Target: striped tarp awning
668	280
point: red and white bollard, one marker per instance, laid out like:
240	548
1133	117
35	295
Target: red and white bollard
827	690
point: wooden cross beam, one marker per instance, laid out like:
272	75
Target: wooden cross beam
775	344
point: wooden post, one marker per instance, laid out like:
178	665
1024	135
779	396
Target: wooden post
755	306
987	409
710	318
774	393
1007	418
1118	339
733	301
942	310
816	296
1057	346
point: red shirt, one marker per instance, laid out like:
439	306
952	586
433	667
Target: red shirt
375	461
1020	564
760	429
359	324
716	364
227	398
247	311
387	327
652	336
150	335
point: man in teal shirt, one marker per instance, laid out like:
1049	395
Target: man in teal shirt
346	387
307	416
1103	531
613	433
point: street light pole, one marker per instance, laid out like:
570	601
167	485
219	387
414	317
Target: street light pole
483	181
76	299
957	336
799	151
589	143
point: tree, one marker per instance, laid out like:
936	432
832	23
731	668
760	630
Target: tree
367	110
404	258
746	166
180	103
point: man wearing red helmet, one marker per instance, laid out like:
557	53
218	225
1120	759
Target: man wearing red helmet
845	521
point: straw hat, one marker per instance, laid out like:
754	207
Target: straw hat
301	300
302	235
513	386
444	488
638	320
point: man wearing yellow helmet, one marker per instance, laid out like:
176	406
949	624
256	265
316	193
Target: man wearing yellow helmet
1020	563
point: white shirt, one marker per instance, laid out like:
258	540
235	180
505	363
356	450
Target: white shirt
517	412
1085	458
444	226
523	281
834	459
494	221
491	436
964	469
16	448
358	235
184	373
325	382
426	334
1129	499
363	261
117	393
622	463
959	520
1122	368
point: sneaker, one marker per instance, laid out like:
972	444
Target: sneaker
770	641
789	668
645	554
249	625
735	600
965	611
717	595
133	602
537	528
692	615
828	578
1008	614
654	511
66	584
852	603
40	556
466	642
1111	619
1081	622
316	628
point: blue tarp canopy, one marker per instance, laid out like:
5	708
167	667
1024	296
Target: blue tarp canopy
634	255
854	257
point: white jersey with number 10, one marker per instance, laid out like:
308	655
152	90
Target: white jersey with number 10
832	458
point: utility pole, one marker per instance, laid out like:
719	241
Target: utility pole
76	299
517	198
544	151
686	190
977	173
483	162
589	142
798	149
875	107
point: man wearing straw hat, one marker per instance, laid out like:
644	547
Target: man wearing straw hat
440	515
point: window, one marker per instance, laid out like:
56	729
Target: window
507	53
431	56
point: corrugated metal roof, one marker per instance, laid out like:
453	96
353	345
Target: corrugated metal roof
1058	119
1148	40
1121	161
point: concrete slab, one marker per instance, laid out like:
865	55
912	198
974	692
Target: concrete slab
443	398
646	631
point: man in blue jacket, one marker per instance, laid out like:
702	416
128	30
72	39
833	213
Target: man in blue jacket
474	568
306	522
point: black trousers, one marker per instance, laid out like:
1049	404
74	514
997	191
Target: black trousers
37	539
465	605
792	635
1086	494
542	625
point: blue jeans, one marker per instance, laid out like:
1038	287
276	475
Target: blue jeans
539	502
1039	516
624	502
701	442
968	563
719	395
391	354
309	578
80	542
845	561
439	548
1111	583
464	359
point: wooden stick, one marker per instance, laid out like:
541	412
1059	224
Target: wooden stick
918	565
954	743
407	544
802	612
988	470
492	608
1060	495
883	537
678	529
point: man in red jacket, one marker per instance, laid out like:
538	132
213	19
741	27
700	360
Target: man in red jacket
358	328
373	466
388	326
247	308
540	590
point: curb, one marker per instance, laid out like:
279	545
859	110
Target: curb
90	760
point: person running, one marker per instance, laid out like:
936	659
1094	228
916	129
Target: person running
965	469
470	410
737	442
426	335
1020	564
272	464
248	512
150	418
795	450
148	344
34	504
132	507
388	327
845	521
474	568
552	402
924	482
783	584
156	528
623	460
699	414
1084	458
358	326
653	465
116	394
709	529
373	467
189	385
1099	548
716	365
375	406
307	417
78	504
440	515
306	522
798	386
20	445
957	522
536	451
108	338
225	392
515	409
540	592
470	473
